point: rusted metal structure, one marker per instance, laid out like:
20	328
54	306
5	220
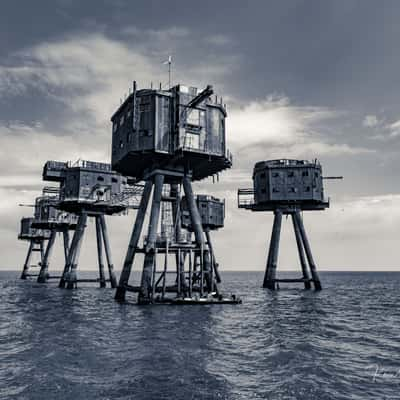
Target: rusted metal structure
43	227
36	238
169	138
287	187
90	190
48	217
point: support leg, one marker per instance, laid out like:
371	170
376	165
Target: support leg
99	239
130	255
147	273
66	244
300	249
44	268
307	248
111	273
72	250
198	231
212	254
270	273
72	276
27	261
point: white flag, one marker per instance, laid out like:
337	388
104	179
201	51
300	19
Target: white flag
169	61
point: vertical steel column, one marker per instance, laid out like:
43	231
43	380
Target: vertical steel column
307	248
71	250
165	269
70	277
107	248
198	230
66	243
27	261
44	268
133	242
190	274
270	273
145	284
214	261
299	242
99	239
153	278
178	273
41	251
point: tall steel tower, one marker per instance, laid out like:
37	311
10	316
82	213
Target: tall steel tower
287	187
169	138
89	190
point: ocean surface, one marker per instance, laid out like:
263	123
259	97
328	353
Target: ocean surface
340	343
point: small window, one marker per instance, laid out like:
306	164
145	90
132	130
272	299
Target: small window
316	175
275	174
115	127
129	113
114	180
308	189
292	190
100	179
122	120
121	144
305	173
275	190
290	174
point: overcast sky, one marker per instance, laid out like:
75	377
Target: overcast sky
301	79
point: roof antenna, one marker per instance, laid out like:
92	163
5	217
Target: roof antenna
169	62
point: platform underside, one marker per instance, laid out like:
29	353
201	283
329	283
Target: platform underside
35	238
137	163
212	299
58	226
95	208
287	207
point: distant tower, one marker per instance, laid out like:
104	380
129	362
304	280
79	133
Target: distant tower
287	187
36	239
49	218
88	189
169	138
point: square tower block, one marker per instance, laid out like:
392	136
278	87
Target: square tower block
175	128
211	209
288	182
48	216
88	185
27	232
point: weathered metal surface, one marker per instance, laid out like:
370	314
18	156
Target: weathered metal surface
287	187
170	127
291	184
211	209
194	270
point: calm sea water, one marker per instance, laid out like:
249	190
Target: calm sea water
341	343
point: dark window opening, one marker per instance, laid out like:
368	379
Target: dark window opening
100	178
114	180
290	174
275	190
308	189
305	173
